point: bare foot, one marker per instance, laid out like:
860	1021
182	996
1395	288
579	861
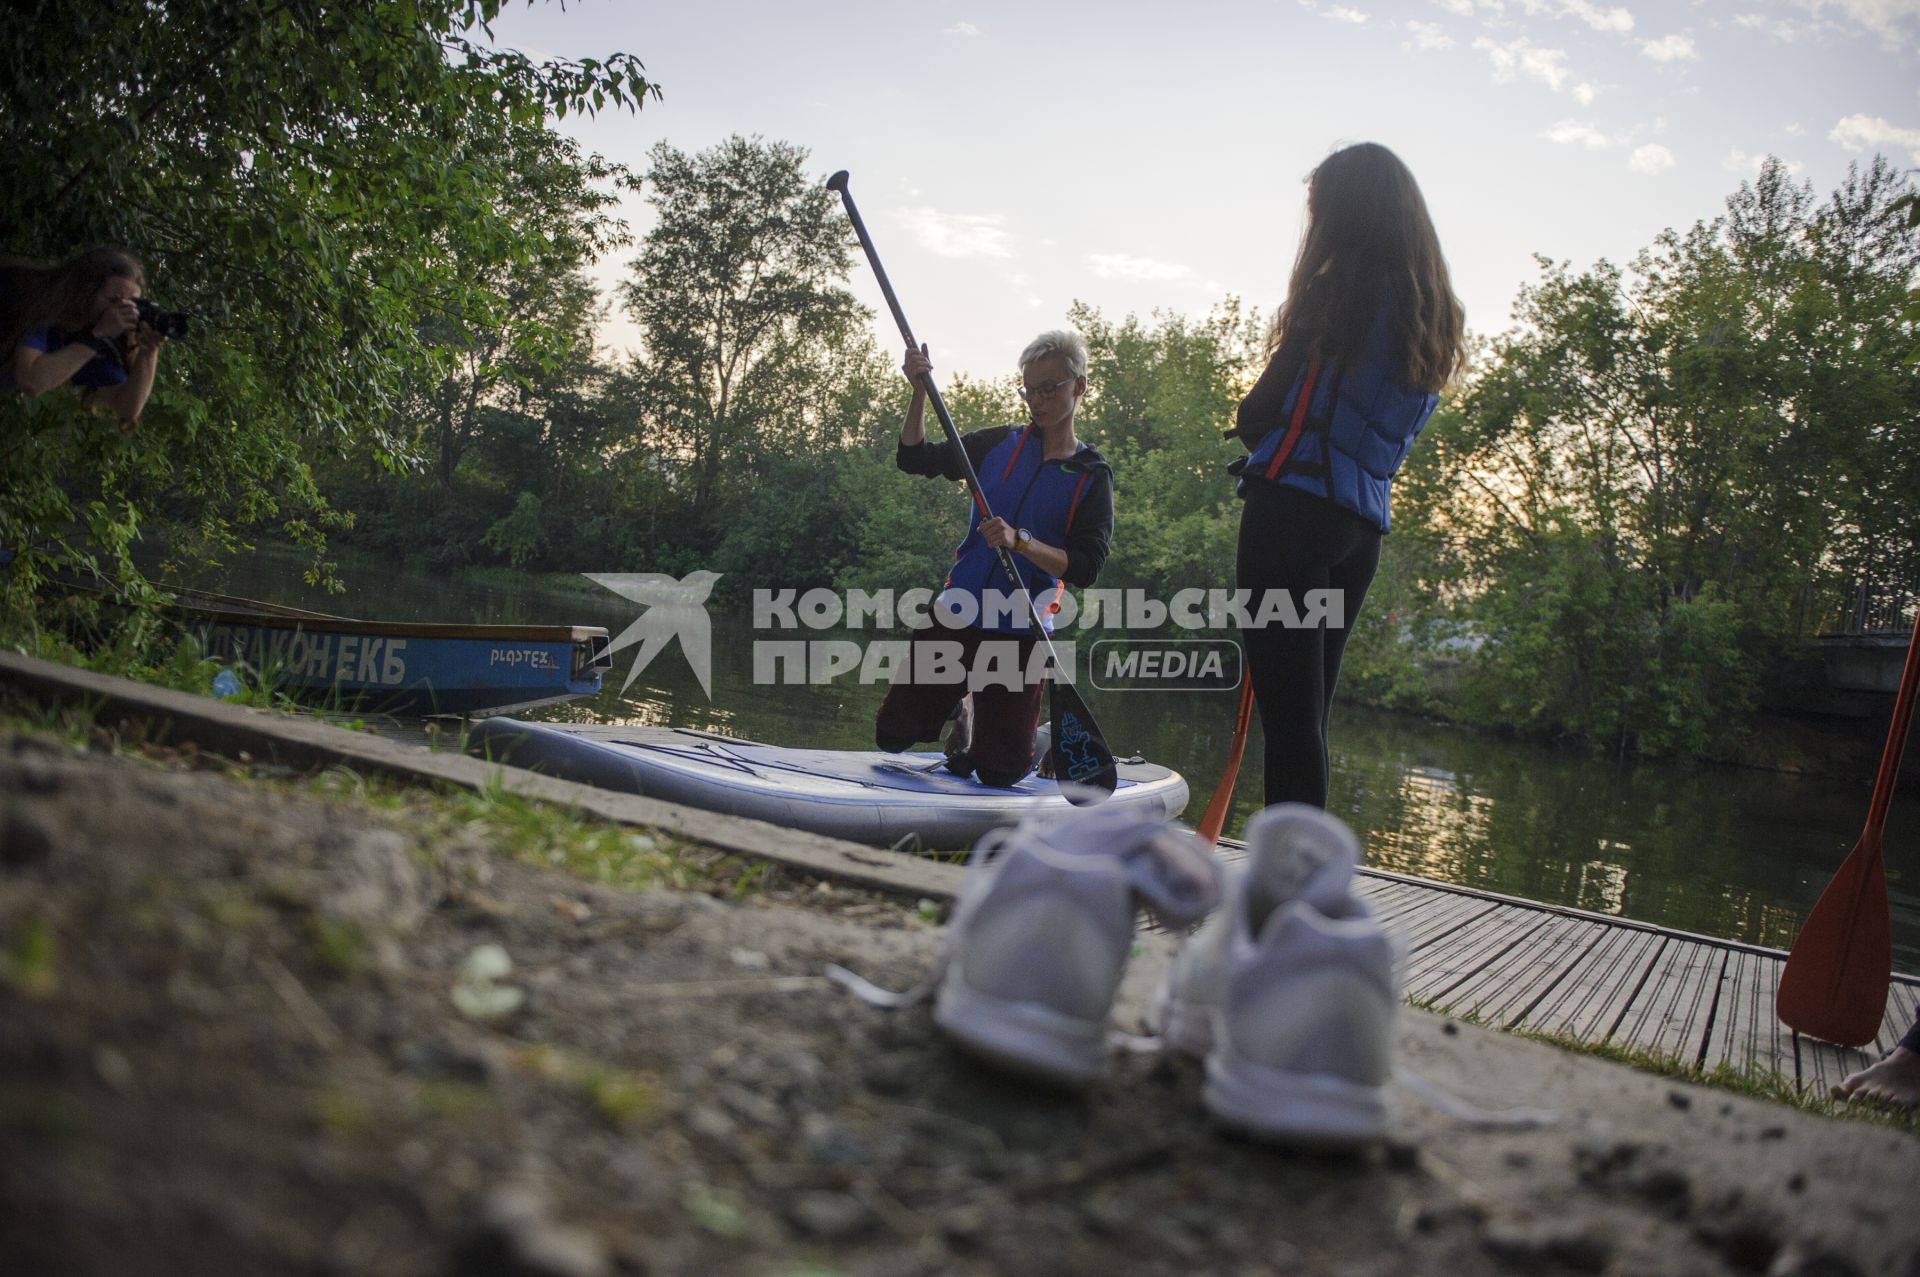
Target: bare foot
1894	1080
960	739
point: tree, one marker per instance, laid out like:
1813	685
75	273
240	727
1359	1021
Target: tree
1664	472
1159	395
532	314
313	182
739	292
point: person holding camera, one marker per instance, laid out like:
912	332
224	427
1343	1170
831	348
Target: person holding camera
83	323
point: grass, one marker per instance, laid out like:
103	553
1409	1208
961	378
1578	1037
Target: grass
525	829
540	833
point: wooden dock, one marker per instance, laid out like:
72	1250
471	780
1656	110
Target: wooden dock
1518	964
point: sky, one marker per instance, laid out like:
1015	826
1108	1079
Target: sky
1010	159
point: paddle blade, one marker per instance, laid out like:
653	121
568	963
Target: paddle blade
1081	758
1834	985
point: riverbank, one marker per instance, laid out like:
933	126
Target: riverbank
245	1014
1846	749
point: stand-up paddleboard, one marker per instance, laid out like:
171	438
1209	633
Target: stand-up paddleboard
860	795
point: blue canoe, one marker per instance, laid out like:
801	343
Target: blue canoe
861	795
409	669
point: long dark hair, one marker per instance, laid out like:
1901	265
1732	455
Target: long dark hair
1370	244
36	296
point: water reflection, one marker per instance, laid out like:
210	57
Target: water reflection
1719	851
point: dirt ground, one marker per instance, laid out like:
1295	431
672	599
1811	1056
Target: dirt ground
231	1040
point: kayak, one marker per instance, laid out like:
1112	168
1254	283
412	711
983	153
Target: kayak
860	795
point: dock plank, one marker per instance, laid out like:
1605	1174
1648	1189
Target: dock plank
1530	969
1588	1003
1426	927
1457	960
1744	1033
1669	1014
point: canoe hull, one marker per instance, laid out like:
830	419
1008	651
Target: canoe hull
861	796
414	671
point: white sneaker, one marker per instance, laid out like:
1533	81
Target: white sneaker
1042	931
1289	992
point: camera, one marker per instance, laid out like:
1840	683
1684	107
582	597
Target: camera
171	324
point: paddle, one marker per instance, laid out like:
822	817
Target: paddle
1215	818
1834	985
1081	753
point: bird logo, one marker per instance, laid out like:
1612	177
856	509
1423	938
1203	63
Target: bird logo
673	609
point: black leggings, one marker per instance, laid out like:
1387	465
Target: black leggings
1294	541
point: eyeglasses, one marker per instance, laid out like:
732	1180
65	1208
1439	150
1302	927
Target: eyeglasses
1046	390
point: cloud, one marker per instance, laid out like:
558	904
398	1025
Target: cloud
1126	266
1427	35
1868	132
1616	19
1521	57
1651	159
1785	30
1341	13
1584	93
1670	48
1467	8
957	234
963	28
1570	132
1892	20
1738	161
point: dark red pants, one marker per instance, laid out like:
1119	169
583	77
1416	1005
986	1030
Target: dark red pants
918	705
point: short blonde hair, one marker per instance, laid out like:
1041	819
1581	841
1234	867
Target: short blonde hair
1064	342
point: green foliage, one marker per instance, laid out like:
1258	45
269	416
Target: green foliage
739	291
518	535
340	195
1159	397
1665	474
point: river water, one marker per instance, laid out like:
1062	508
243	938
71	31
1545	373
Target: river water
1716	850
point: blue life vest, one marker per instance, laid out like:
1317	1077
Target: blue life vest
1028	491
1357	426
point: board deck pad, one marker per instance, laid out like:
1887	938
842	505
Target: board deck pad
864	795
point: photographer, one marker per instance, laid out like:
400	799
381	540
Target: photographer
83	323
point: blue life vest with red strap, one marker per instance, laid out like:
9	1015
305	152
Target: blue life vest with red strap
1028	491
1347	432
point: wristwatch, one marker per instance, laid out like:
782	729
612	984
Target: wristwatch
1022	539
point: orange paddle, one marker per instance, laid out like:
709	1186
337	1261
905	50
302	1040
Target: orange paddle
1834	985
1215	818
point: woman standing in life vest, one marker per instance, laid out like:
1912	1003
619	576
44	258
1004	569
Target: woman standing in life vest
1052	498
1369	333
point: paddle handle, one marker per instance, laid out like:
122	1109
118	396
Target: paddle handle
1896	738
838	182
1214	821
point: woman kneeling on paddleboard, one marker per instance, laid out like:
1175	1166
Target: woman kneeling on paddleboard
1054	498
